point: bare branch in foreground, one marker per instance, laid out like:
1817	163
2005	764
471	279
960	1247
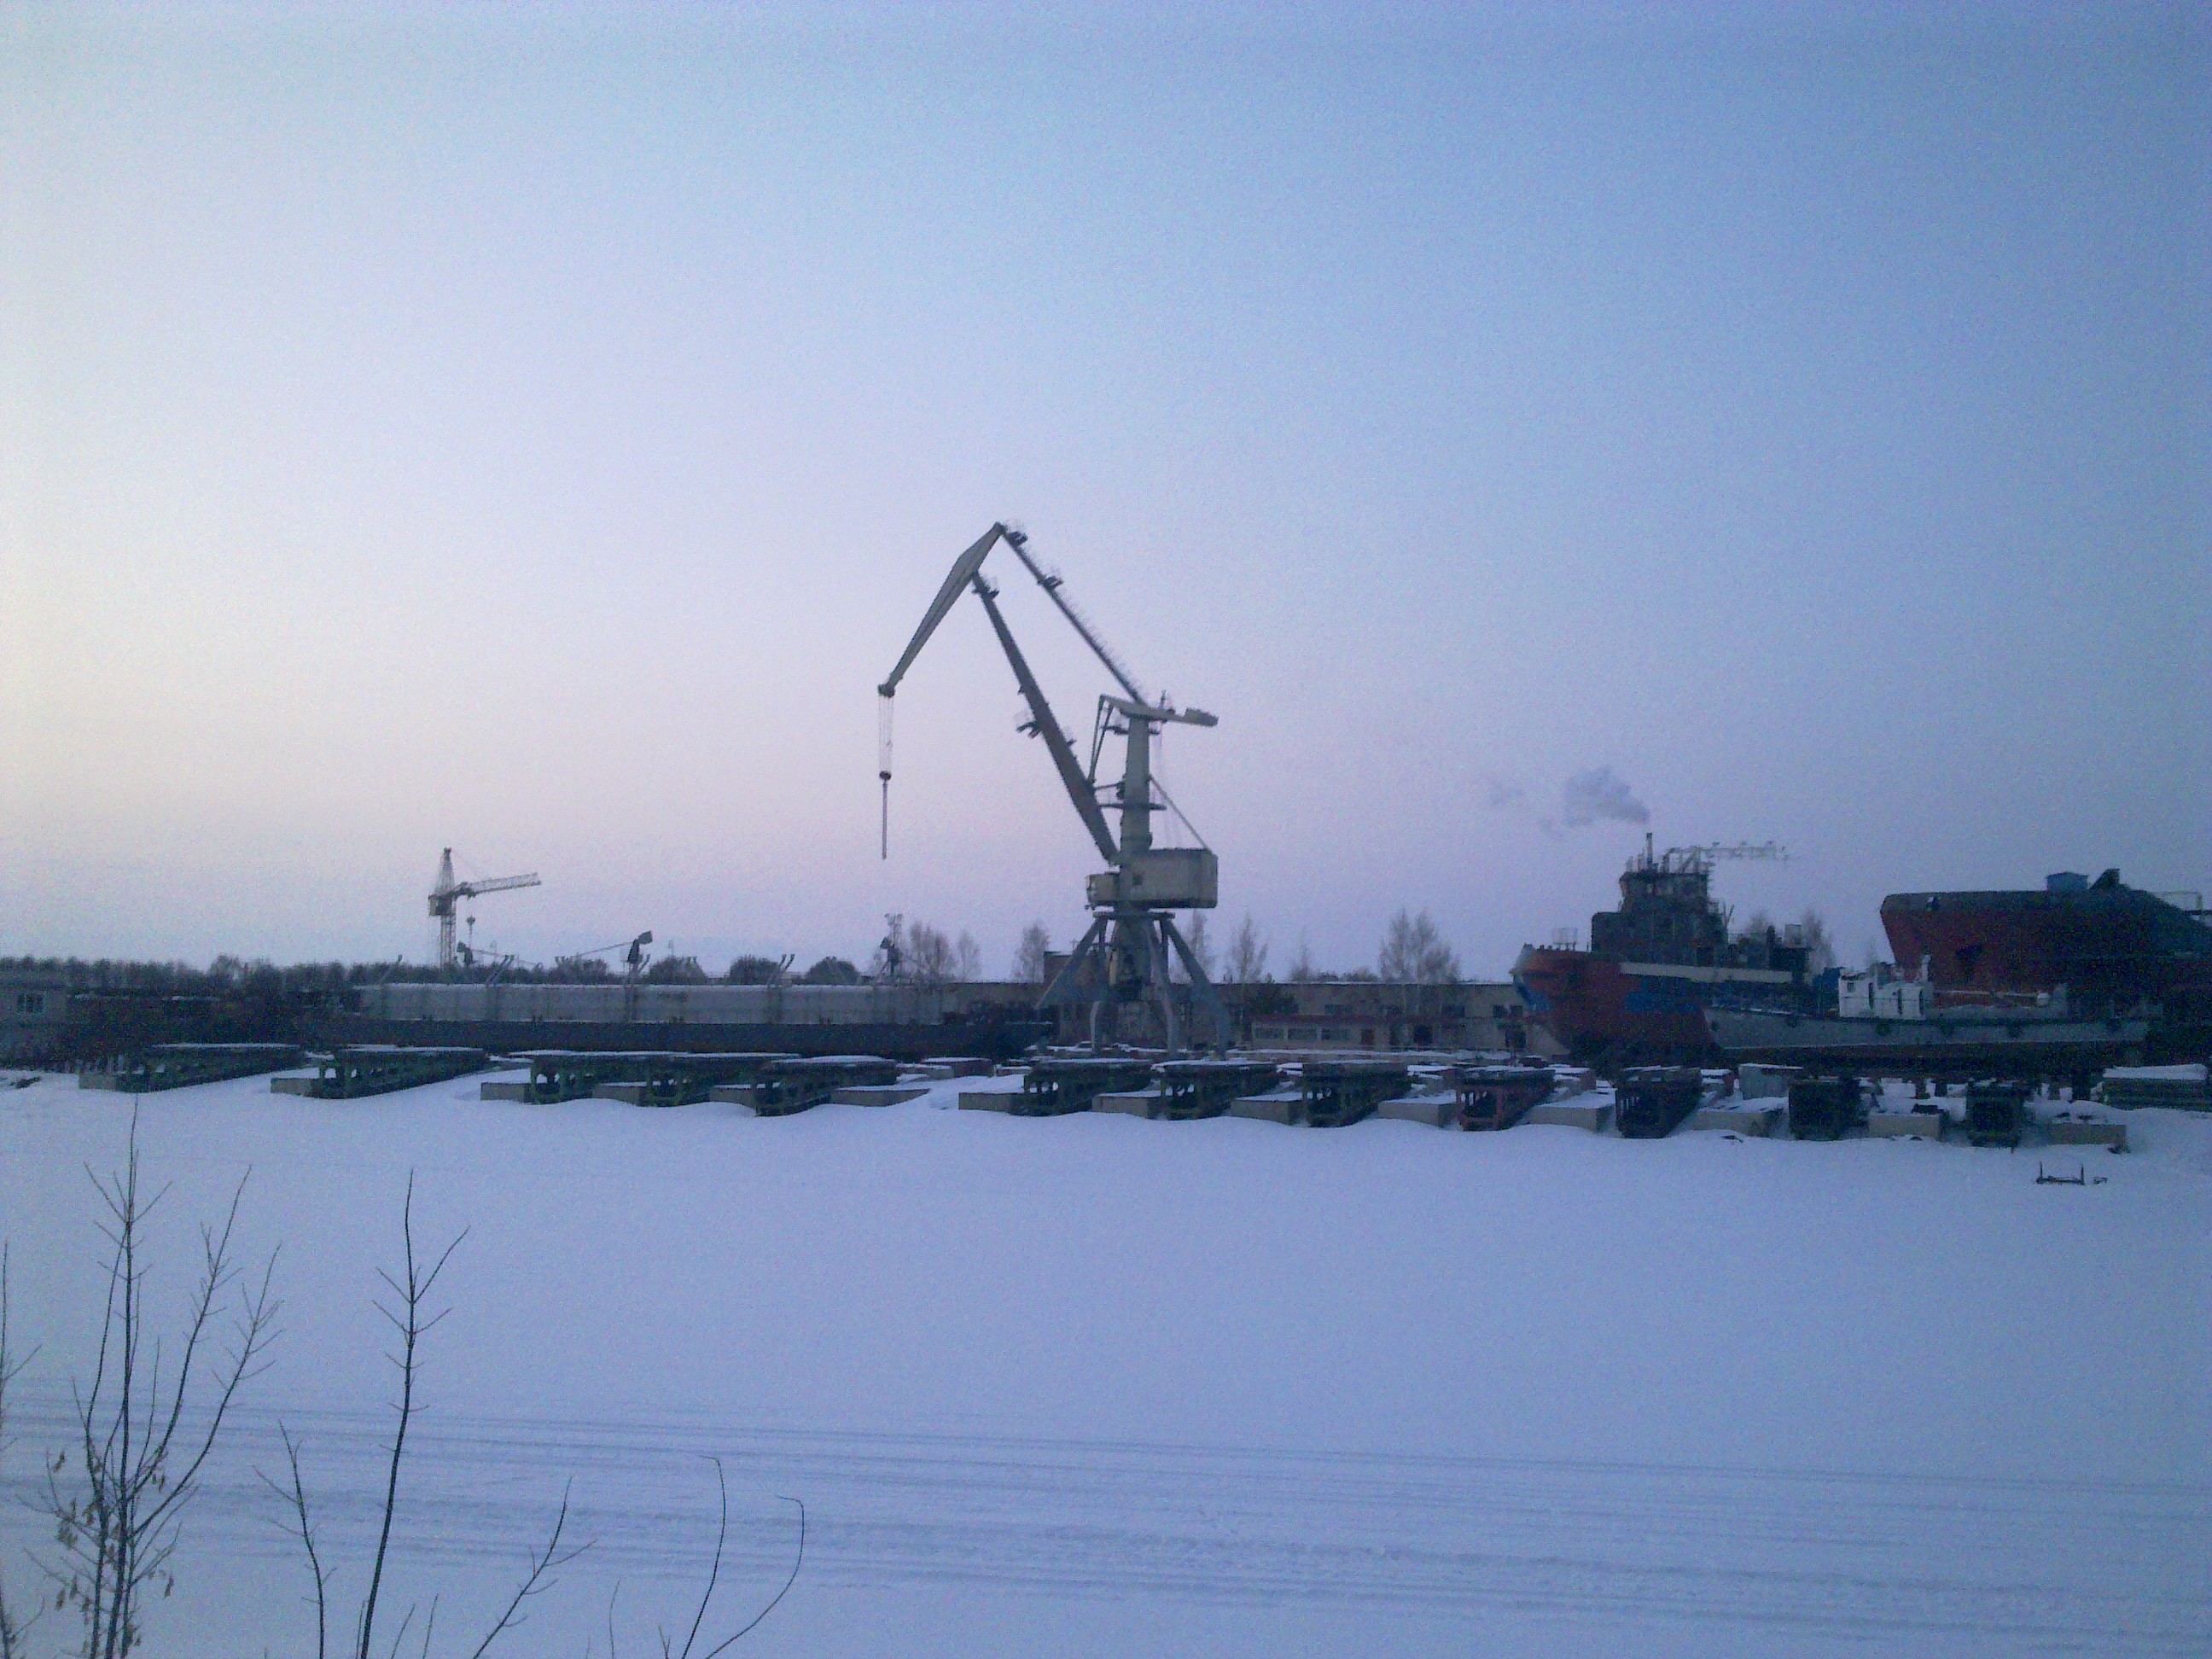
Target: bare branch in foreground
296	1497
797	1561
541	1565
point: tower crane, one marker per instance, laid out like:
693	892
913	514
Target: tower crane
1124	957
445	894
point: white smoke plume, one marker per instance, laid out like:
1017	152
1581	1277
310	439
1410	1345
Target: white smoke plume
1601	795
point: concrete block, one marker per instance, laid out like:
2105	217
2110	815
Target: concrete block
1137	1103
878	1094
1757	1121
1276	1106
2088	1132
735	1094
1924	1126
1586	1112
989	1100
1762	1082
1438	1111
293	1085
630	1094
505	1089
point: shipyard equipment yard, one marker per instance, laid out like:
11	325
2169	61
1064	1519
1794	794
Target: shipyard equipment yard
1096	1385
1533	974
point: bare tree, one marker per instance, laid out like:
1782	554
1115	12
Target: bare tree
410	1318
12	1629
967	958
408	1312
1302	971
1030	954
1820	947
142	1436
930	958
1415	953
668	1648
1247	954
1200	937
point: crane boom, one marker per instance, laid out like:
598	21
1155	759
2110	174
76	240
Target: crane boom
1040	718
1052	586
963	568
496	884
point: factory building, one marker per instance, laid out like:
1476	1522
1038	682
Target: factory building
1358	1014
904	1019
33	1009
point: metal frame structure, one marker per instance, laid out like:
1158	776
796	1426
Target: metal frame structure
1651	1102
1204	1088
1332	1094
1498	1096
1826	1108
377	1069
165	1065
1127	955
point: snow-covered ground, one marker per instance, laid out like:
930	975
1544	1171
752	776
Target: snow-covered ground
1096	1385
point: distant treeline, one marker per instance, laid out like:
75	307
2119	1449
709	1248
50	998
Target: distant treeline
314	983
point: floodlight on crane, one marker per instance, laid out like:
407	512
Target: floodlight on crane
1125	956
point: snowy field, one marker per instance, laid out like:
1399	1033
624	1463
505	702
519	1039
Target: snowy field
1099	1386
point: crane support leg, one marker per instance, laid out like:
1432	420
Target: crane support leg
1202	993
1127	955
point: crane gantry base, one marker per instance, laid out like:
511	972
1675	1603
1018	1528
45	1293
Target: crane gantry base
1124	957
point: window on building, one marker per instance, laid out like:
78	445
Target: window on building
30	1002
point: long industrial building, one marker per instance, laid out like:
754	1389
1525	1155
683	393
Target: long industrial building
904	1020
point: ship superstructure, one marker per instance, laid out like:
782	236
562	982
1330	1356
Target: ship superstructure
1640	989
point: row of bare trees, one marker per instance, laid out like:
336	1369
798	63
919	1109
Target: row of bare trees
145	1424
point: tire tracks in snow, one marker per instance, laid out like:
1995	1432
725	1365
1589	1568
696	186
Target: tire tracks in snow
2052	1565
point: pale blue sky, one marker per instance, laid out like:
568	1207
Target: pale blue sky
537	431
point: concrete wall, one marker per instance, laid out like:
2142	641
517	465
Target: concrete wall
699	1005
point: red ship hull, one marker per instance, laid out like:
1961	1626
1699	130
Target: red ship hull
1594	1004
2106	944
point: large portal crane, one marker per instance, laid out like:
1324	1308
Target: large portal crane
446	894
1125	955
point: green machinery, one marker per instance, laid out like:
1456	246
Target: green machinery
382	1069
644	1077
1498	1096
796	1084
1651	1102
1996	1112
180	1064
1204	1088
1826	1108
1333	1093
1052	1087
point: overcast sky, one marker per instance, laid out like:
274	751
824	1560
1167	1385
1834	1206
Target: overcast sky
536	432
